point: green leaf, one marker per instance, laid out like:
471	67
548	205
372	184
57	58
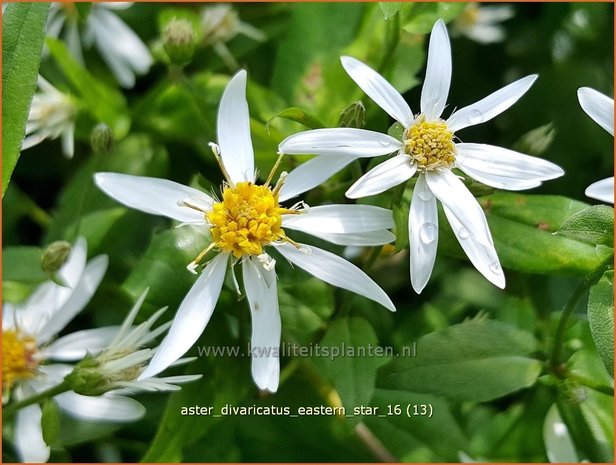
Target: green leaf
23	32
354	372
601	318
401	220
594	224
23	264
478	360
536	141
105	103
522	227
299	116
50	422
390	9
423	15
418	438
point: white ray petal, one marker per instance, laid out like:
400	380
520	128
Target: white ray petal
601	190
234	131
103	408
390	173
312	173
423	234
153	195
76	345
483	256
490	106
192	316
83	292
598	106
438	73
497	166
340	141
29	443
336	271
368	238
261	291
559	446
337	219
378	89
453	194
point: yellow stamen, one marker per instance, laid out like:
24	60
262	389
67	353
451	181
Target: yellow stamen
248	218
430	144
18	358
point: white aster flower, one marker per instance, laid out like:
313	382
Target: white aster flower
28	330
221	23
243	224
481	23
601	109
117	367
52	115
119	46
428	149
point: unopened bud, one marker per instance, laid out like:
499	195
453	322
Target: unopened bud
86	378
101	139
179	41
54	256
353	116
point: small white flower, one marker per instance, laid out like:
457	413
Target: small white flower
117	367
28	330
429	149
119	46
601	109
221	23
246	221
481	23
52	115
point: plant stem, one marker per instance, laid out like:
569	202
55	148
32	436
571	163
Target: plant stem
35	399
589	280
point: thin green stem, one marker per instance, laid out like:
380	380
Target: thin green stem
35	399
84	197
589	280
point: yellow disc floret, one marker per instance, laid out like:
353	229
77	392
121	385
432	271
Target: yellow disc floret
430	144
18	357
247	219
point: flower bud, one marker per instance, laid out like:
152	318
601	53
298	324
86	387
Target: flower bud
353	116
179	41
54	256
87	379
101	139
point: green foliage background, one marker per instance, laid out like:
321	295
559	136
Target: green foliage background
484	356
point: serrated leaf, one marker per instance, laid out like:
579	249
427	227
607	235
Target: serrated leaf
594	224
23	33
352	374
105	103
478	360
50	422
601	318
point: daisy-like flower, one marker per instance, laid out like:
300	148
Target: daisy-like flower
52	115
243	224
119	46
481	23
117	367
221	23
429	150
601	109
28	330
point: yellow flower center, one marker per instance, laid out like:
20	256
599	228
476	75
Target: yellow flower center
18	357
469	17
430	144
248	218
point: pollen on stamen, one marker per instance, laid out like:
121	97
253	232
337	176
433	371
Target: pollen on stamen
19	360
430	144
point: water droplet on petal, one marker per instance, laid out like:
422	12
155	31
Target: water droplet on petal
463	233
384	143
428	233
495	267
475	117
